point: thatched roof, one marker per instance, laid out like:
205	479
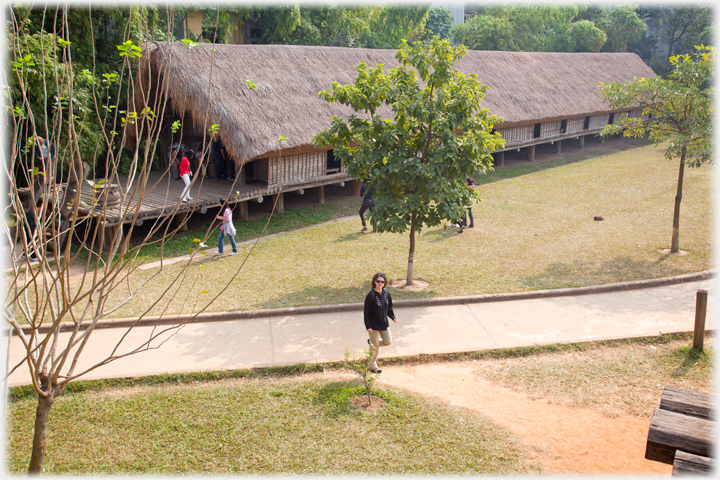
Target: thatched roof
524	87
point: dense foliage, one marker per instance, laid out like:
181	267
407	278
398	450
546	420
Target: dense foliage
417	163
548	28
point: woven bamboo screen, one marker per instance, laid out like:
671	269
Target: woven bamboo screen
575	124
598	121
517	134
297	168
637	113
550	129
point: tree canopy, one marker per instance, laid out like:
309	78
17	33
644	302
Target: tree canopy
547	28
677	109
418	161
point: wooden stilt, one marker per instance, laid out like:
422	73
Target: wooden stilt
531	153
180	221
558	146
280	208
242	209
581	139
321	194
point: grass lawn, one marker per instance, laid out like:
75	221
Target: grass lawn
272	426
531	232
269	422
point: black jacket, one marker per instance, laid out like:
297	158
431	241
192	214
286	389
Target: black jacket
378	306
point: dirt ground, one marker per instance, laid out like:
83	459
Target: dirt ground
564	440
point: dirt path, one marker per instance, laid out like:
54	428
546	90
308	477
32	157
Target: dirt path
565	440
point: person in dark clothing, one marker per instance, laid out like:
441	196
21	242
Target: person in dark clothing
218	158
368	202
378	307
469	205
32	215
174	156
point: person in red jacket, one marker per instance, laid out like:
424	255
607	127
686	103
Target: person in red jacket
185	175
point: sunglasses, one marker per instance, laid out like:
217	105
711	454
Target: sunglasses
379	281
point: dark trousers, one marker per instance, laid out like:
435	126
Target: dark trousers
362	211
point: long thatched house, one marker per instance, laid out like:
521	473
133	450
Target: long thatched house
542	97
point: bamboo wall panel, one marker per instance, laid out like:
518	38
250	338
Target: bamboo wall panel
297	168
517	134
598	121
637	113
575	124
550	129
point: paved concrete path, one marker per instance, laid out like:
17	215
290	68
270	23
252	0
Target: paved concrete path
288	338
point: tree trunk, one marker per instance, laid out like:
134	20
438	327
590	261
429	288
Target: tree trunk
42	414
675	244
411	255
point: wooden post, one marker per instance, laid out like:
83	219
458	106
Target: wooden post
180	222
502	158
108	236
321	194
531	153
700	312
558	146
242	209
280	203
581	139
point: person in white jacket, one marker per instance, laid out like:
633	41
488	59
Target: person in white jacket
227	227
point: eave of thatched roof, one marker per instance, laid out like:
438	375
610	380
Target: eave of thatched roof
208	82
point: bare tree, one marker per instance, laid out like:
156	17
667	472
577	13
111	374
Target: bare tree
63	124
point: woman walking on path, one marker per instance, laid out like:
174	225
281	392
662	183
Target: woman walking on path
378	306
227	228
185	175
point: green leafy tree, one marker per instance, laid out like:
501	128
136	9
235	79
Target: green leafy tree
417	162
580	36
672	31
439	23
622	26
484	32
366	26
679	111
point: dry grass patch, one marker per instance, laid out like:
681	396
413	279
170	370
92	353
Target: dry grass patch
617	379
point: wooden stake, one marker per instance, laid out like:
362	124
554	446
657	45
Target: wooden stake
700	312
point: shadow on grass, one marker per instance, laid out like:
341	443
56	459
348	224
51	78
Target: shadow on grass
690	358
440	234
350	237
335	398
581	274
315	295
312	296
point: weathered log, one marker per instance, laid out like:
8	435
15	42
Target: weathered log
671	431
687	402
689	465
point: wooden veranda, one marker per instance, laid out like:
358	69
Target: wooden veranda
160	196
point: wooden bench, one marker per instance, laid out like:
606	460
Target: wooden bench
682	432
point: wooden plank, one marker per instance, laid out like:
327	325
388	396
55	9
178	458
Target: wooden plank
687	402
689	465
670	431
